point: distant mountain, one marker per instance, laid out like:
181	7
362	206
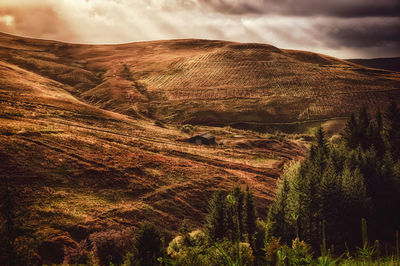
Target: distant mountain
389	63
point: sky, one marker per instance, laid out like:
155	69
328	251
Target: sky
340	28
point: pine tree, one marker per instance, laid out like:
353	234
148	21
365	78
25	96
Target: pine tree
386	199
330	195
370	170
310	204
238	196
215	220
7	210
363	131
279	212
350	134
230	220
356	201
363	119
320	140
377	139
148	245
184	231
250	216
392	130
314	168
378	120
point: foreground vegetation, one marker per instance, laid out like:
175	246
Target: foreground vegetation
337	206
322	207
323	199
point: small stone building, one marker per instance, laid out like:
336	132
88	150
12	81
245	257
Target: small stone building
205	138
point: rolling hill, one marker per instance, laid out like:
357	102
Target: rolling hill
388	63
90	139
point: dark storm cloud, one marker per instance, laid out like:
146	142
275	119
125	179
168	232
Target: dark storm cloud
363	33
341	28
335	8
344	24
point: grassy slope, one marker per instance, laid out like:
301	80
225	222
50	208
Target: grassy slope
77	132
77	168
207	82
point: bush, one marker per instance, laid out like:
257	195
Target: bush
301	253
79	255
111	246
271	249
147	247
201	252
187	128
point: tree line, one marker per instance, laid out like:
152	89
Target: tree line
337	186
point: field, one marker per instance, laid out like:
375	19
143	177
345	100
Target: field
79	142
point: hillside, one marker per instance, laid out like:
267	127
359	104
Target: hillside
205	82
79	141
390	63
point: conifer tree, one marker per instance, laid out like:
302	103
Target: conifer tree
386	198
350	132
379	120
356	201
215	220
392	130
184	231
250	216
310	204
148	245
230	221
279	212
330	194
363	120
7	211
370	169
340	184
238	196
377	138
321	141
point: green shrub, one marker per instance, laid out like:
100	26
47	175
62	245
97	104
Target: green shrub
301	253
111	246
147	247
201	252
187	128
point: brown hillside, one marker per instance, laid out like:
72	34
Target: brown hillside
79	142
206	82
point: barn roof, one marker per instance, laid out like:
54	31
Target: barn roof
206	136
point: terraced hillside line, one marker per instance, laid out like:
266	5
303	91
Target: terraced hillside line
73	155
179	94
137	79
218	163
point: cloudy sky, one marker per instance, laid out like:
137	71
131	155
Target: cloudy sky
341	28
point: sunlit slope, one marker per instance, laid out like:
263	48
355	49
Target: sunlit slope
77	164
206	82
